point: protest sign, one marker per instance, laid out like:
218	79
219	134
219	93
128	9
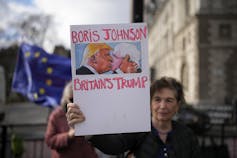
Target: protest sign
110	77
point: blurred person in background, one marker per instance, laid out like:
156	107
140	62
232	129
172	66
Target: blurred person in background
60	137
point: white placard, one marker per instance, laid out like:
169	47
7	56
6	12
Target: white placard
116	100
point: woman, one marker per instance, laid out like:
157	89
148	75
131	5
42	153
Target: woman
167	138
60	137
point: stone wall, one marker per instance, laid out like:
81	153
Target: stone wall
198	48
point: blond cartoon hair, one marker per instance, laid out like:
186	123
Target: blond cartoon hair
91	49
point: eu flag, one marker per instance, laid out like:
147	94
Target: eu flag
41	76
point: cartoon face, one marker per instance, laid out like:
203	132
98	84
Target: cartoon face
103	61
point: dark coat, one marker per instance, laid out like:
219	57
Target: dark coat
83	71
148	145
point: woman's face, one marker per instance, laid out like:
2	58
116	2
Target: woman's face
164	105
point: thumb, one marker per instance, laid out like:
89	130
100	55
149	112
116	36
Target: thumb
127	58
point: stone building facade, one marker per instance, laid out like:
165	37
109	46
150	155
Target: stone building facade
195	41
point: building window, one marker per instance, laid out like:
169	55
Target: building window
152	73
230	5
184	76
225	31
166	18
187	7
189	37
184	44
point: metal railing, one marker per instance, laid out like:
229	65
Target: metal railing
32	141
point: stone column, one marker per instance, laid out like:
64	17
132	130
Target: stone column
2	86
217	86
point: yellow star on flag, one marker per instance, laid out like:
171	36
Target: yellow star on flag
35	96
37	54
41	91
44	60
49	82
49	70
27	54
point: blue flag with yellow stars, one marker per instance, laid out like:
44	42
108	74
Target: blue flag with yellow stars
41	76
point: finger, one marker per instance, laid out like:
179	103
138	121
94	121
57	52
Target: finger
77	118
72	120
135	64
73	114
131	69
73	105
75	121
76	115
73	110
127	57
